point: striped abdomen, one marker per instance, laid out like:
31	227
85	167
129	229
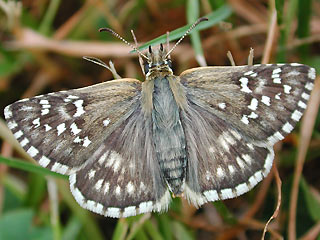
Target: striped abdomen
168	135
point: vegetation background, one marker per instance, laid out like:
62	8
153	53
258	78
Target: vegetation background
41	47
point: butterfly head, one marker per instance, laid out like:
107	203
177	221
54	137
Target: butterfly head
158	63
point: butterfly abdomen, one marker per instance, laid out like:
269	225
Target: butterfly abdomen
168	135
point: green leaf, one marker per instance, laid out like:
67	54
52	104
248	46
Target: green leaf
17	225
49	16
213	18
120	230
29	167
181	232
152	231
192	16
304	16
279	8
36	190
312	204
72	229
224	212
165	226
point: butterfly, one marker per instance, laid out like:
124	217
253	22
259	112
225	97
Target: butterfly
129	146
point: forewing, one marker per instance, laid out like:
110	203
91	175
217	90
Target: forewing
233	118
62	130
264	101
125	179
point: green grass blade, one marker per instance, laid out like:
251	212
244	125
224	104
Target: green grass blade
47	22
213	18
225	213
121	230
192	16
29	167
304	16
152	231
279	7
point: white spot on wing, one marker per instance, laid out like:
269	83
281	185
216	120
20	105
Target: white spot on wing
253	115
47	127
102	158
223	142
106	122
222	105
43	101
145	207
98	184
254	104
118	190
32	151
286	88
309	86
18	134
227	193
36	122
287	127
61	128
130	188
7	112
106	187
244	119
244	84
91	173
242	188
72	97
211	195
113	212
220	172
277	80
74	129
79	110
12	125
86	142
231	169
276	71
129	211
44	111
247	158
302	104
60	168
305	96
44	161
296	115
265	100
24	142
312	73
240	162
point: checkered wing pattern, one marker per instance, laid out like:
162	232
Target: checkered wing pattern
235	116
82	133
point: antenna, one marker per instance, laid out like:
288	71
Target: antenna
187	32
123	40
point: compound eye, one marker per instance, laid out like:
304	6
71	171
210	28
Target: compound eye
146	67
169	62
